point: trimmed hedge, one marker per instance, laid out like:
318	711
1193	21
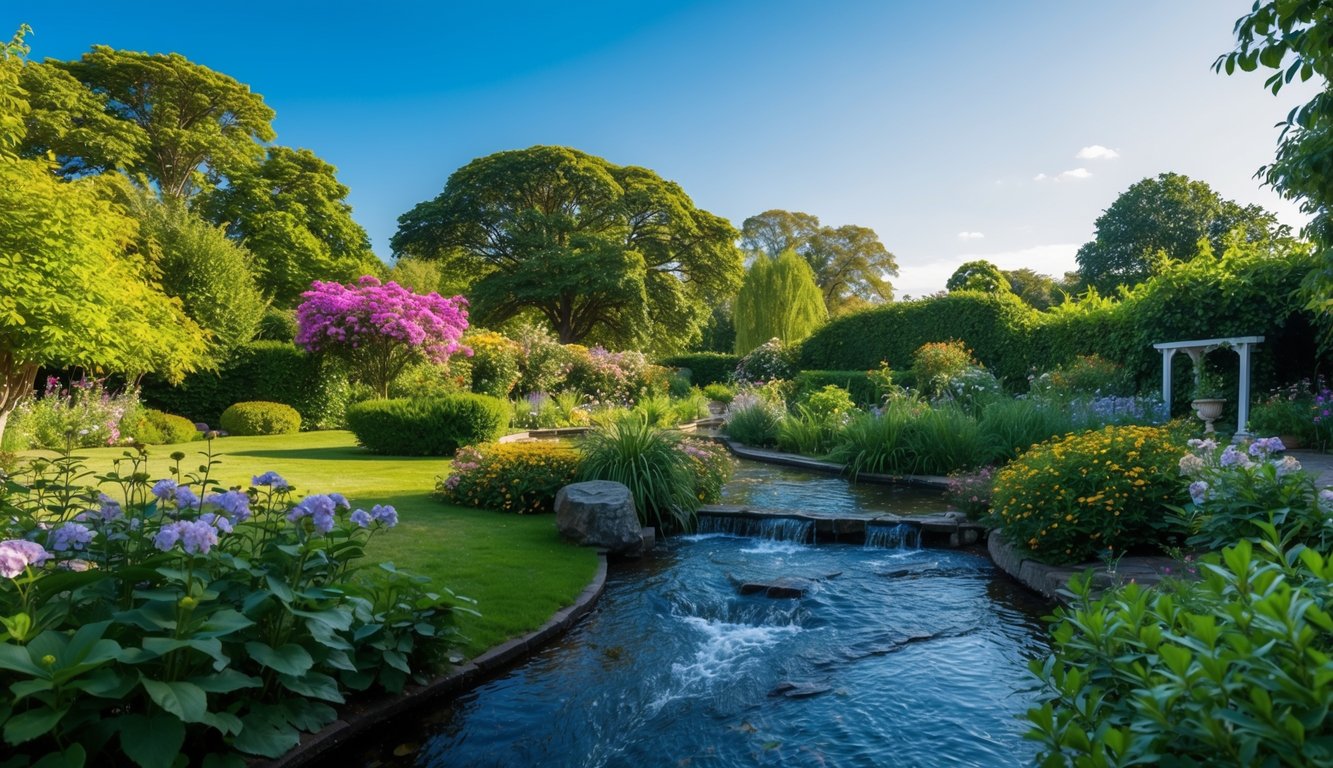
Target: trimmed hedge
435	426
705	367
260	417
1237	294
994	326
857	384
152	427
275	371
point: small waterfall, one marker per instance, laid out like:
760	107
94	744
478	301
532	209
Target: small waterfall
899	536
775	528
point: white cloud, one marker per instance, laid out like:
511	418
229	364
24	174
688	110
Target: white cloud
1097	152
1069	175
971	235
919	280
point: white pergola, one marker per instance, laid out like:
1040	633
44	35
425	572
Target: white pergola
1196	350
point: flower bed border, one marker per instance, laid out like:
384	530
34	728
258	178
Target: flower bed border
358	718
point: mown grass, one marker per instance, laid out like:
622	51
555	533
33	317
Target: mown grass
515	567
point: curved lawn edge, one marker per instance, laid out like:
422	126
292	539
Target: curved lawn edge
358	718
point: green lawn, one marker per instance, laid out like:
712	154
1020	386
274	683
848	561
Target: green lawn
515	567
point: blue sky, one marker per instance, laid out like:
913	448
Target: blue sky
979	131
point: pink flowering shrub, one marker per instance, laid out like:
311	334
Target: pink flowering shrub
85	414
379	328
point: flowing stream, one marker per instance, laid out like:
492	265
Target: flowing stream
891	655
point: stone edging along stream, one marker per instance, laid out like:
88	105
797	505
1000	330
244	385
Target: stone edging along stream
358	718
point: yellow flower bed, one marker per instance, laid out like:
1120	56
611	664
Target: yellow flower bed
1098	493
510	477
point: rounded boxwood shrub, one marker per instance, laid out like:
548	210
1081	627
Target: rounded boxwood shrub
153	427
1073	498
260	417
428	426
510	477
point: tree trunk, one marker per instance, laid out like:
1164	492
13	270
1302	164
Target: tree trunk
16	382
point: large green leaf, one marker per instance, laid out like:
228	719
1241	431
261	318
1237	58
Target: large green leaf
184	700
226	681
313	685
73	757
152	741
265	733
290	659
27	726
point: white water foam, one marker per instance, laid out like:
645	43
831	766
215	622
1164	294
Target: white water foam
774	547
725	652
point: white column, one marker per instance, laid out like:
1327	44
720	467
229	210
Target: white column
1243	407
1167	354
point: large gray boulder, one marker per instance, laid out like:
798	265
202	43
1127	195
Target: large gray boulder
599	513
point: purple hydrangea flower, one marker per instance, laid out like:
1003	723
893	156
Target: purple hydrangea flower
217	521
1234	458
186	498
319	508
361	518
271	479
70	536
383	513
196	537
17	554
234	504
1198	491
164	489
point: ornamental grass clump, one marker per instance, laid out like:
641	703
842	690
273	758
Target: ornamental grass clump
144	620
650	463
1074	498
510	477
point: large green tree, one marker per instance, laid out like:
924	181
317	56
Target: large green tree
1161	220
979	275
601	251
1041	292
181	125
291	212
778	299
197	263
852	267
71	293
1294	39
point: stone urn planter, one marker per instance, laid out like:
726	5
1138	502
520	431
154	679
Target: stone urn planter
1291	441
1208	409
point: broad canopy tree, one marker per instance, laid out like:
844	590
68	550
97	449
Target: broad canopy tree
1160	220
979	275
291	212
1294	39
852	267
603	252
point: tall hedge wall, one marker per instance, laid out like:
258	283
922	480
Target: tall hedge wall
1238	294
705	367
262	370
994	326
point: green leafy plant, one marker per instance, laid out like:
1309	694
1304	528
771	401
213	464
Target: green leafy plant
510	477
753	419
875	443
141	621
435	426
938	441
1071	498
650	463
154	427
1235	488
705	367
1010	426
722	393
1227	669
258	417
934	364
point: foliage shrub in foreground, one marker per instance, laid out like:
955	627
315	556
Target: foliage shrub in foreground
1085	375
1070	499
435	426
494	363
650	462
510	477
142	621
1232	669
258	417
935	363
